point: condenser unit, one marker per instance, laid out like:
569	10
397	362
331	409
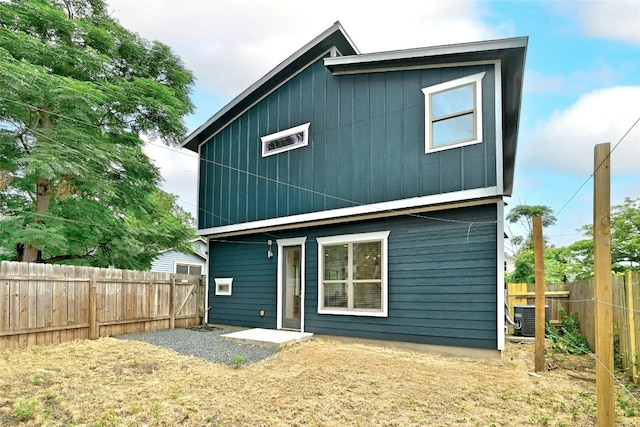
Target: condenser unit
525	316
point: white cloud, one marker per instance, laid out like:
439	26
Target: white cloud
612	19
229	44
565	142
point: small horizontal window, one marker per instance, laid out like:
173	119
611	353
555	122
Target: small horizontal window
223	285
285	140
453	113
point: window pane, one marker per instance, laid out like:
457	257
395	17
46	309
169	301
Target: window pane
195	270
367	296
335	295
452	101
223	288
366	260
335	262
455	129
296	138
182	269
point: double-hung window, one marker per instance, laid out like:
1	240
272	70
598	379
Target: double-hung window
453	113
352	274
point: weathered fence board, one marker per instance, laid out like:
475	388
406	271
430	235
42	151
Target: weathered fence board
625	304
49	304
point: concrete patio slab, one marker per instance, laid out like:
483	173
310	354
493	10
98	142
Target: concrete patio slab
267	337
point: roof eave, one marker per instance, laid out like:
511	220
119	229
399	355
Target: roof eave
334	36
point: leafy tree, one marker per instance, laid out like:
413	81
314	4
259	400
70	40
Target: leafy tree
625	242
555	266
523	215
554	258
77	90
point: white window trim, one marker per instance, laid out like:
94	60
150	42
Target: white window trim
381	236
223	281
452	84
304	128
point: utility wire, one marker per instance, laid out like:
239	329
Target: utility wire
598	167
595	357
276	181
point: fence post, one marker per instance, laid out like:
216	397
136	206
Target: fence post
605	402
172	308
93	309
538	247
633	351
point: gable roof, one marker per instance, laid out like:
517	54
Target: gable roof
511	52
195	249
334	37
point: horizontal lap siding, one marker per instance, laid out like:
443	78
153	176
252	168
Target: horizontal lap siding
366	145
253	288
442	280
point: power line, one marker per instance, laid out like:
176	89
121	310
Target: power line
276	181
598	167
595	357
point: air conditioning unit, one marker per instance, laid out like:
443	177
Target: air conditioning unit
525	315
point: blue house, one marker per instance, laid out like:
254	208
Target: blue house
362	195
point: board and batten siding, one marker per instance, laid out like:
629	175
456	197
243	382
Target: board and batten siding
442	280
366	145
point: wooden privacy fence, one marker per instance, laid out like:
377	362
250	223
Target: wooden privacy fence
51	304
556	297
625	305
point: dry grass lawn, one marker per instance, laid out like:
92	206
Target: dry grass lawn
110	382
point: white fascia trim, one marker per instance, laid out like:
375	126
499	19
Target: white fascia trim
500	274
434	51
395	205
298	241
498	124
335	27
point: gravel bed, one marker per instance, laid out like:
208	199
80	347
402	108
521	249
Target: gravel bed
203	342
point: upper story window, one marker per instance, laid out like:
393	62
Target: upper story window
453	113
285	140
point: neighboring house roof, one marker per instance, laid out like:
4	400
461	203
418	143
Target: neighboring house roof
511	52
201	254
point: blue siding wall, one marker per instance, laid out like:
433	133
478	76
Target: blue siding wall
442	280
366	145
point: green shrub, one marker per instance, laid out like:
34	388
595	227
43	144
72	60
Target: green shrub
570	340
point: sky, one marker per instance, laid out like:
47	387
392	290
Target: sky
581	85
